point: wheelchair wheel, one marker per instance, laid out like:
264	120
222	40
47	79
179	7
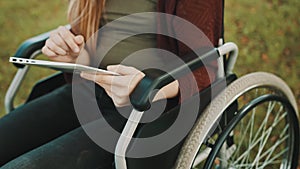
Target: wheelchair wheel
253	123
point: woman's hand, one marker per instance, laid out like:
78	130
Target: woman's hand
63	46
120	87
117	87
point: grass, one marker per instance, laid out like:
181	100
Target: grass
20	20
266	31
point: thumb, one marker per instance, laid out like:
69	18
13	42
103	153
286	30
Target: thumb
125	70
79	39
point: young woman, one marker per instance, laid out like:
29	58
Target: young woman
46	133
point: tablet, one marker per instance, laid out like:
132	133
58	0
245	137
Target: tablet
62	66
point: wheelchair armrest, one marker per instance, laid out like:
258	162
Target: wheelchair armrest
32	45
155	79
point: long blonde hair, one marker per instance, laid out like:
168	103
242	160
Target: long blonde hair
84	17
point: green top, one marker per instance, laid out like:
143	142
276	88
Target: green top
120	53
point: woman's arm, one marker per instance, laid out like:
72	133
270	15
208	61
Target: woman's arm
169	91
120	87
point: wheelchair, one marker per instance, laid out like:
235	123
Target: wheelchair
252	123
258	109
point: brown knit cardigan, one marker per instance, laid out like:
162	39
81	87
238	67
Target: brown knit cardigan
207	15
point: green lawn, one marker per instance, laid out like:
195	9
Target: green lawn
268	35
20	20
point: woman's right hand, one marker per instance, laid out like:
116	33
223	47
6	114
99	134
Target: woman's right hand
63	45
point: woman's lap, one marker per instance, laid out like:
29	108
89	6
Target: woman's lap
36	123
42	129
72	150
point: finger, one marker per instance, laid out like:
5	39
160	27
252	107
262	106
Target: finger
116	81
118	94
88	76
133	75
66	58
92	77
46	51
127	82
119	81
59	41
106	79
113	90
54	48
124	70
113	93
117	91
79	39
68	38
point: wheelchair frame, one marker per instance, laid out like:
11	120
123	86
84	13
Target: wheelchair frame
189	154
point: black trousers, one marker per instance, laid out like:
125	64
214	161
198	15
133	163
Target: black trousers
45	133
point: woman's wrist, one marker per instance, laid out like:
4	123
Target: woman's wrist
167	92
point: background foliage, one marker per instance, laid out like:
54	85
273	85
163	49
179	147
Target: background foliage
20	20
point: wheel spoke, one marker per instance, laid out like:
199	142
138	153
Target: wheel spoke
278	142
271	161
242	139
273	148
266	132
251	131
263	125
247	151
263	139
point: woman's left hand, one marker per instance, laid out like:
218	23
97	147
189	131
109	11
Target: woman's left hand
117	87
